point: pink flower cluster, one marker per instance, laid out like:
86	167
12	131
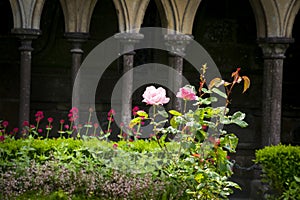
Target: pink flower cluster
73	114
39	116
5	124
110	115
134	110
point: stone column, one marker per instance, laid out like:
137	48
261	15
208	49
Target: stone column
77	15
178	17
176	44
76	40
27	15
273	51
128	41
26	37
130	17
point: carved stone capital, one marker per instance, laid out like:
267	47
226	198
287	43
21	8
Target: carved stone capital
274	48
77	39
176	43
129	40
26	32
26	36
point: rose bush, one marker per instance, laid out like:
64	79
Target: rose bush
201	163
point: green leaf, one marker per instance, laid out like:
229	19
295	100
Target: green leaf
219	92
238	115
206	91
163	113
175	113
225	120
173	122
142	113
297	179
229	142
205	101
240	123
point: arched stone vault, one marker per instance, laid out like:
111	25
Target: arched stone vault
178	15
275	18
27	13
77	15
130	14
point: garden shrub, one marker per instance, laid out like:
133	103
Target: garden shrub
71	168
280	170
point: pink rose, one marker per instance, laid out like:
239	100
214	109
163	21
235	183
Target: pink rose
187	93
153	96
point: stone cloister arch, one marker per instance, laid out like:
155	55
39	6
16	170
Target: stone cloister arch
227	30
274	20
274	24
290	104
77	16
9	99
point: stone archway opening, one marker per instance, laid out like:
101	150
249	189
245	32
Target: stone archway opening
9	66
291	85
227	30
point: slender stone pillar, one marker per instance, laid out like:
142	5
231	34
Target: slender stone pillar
273	50
26	37
130	17
178	17
27	15
177	44
76	40
77	15
128	40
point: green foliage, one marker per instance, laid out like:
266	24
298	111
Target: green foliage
186	160
60	167
281	169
